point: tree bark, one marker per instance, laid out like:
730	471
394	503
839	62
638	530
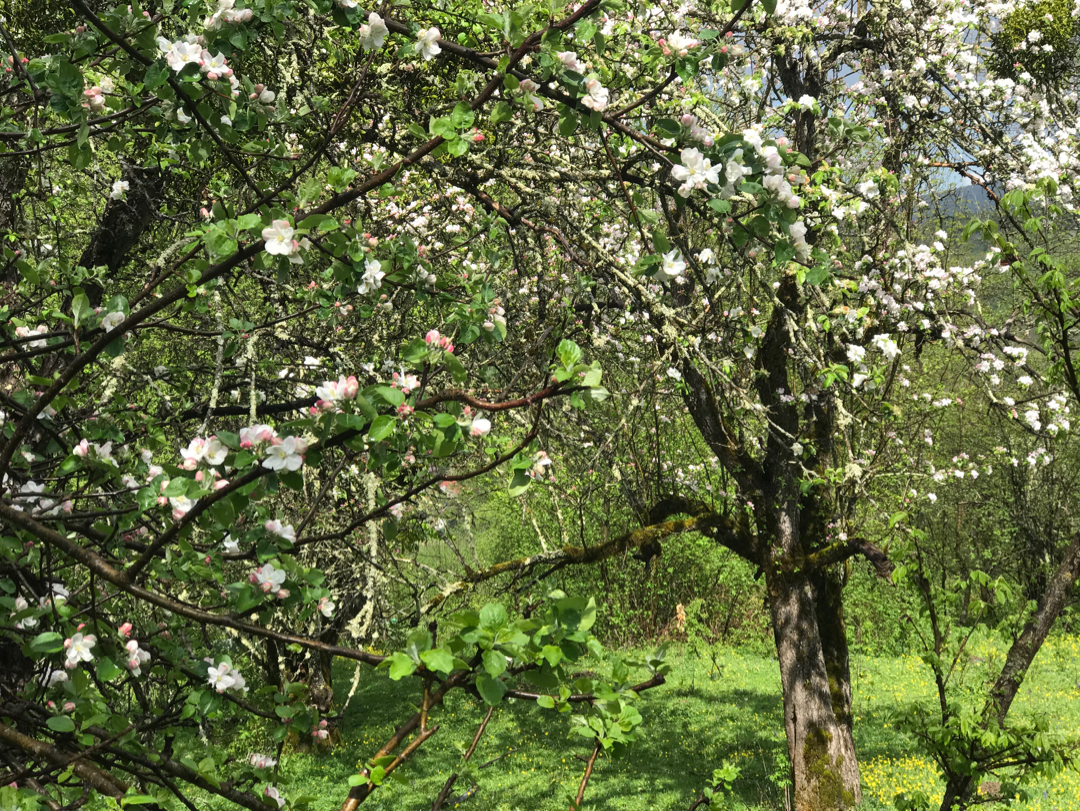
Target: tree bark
1022	653
122	224
825	771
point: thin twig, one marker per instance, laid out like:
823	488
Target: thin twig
585	777
453	777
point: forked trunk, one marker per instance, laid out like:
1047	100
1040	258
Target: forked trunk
821	747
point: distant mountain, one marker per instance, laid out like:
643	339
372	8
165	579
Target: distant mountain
967	201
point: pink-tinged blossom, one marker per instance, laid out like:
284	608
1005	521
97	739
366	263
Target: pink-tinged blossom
263	761
528	87
326	607
215	67
320	731
332	392
282	531
272	793
125	630
404	381
679	44
255	435
81	449
26	332
79	649
183	53
181	505
540	461
209	450
569	60
269	579
437	341
136	657
480	427
286	455
596	96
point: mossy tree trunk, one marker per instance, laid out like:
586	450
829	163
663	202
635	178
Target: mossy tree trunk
812	650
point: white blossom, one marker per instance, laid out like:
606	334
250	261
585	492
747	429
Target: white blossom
373	33
285	455
427	42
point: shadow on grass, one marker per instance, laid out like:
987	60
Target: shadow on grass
686	734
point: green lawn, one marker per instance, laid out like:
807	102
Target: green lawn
691	725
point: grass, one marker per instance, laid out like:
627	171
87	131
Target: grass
691	725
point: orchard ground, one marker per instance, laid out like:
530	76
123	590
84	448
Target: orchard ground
692	724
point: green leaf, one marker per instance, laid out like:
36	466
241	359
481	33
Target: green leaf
381	427
107	669
156	76
494	663
817	274
176	487
48	642
493	617
458	147
60	723
568	122
669	127
520	483
364	406
392	396
80	306
419	641
341	177
463	116
137	799
568	353
660	241
444	128
491	690
547	702
291	479
401	666
502	112
455	367
769	6
438	659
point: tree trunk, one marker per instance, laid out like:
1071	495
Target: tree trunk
1019	659
829	606
825	771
